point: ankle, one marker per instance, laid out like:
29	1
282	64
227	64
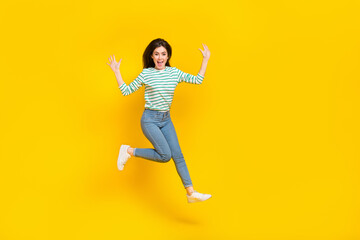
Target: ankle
130	151
190	190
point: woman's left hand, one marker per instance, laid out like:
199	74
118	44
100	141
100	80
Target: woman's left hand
205	52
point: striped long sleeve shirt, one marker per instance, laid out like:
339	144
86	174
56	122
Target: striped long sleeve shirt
159	86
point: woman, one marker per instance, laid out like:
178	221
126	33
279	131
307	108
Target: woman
160	81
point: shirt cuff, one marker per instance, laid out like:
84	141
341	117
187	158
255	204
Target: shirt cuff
121	86
202	77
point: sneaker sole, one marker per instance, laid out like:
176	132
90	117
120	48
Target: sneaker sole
194	200
122	154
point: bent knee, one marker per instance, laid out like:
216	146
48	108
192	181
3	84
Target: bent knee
166	157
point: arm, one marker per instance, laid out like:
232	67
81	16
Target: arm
206	57
118	77
185	77
133	86
203	67
125	90
188	78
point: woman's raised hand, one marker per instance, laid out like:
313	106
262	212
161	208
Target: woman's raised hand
115	66
205	52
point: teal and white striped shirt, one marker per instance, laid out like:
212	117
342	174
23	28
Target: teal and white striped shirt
159	86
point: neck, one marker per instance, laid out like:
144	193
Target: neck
160	69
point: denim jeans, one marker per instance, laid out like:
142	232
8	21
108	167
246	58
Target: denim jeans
159	130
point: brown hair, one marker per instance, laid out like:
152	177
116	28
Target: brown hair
159	42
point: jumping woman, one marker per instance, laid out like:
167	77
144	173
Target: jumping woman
160	81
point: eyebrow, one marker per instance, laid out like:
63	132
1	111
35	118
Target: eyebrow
161	52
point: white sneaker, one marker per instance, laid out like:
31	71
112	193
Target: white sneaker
197	197
123	157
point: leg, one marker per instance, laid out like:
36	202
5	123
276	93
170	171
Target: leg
162	152
170	134
189	189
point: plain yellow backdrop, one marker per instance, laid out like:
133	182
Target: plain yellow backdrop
272	133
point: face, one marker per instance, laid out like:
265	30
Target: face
160	57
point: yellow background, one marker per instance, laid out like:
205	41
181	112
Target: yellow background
272	133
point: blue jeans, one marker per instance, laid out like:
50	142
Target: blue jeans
159	130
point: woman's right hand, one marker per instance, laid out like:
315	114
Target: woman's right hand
115	66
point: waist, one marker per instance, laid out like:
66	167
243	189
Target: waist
153	110
156	114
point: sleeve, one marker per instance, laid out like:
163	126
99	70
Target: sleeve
186	77
133	86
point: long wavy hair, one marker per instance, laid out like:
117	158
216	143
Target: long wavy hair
159	42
